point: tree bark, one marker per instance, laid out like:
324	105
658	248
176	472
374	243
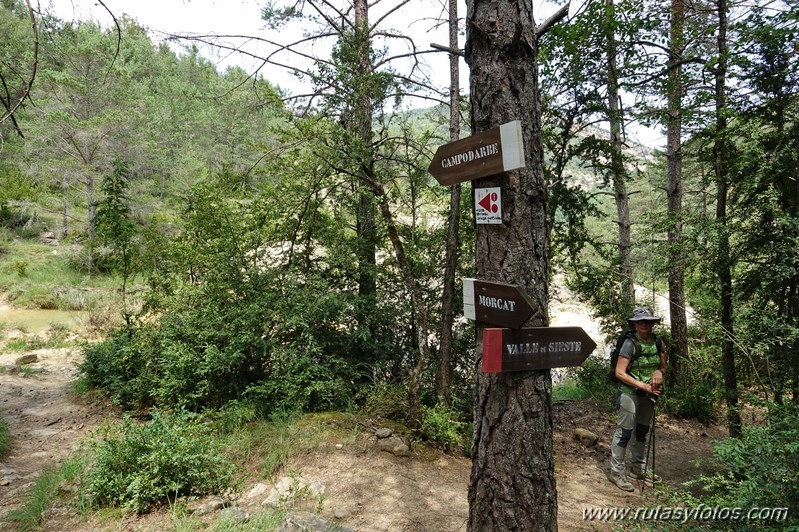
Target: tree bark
366	228
724	268
679	323
619	174
512	485
453	227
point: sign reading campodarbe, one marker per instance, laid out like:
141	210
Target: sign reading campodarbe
493	151
535	348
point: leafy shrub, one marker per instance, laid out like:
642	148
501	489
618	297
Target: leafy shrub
21	268
700	385
759	470
440	424
117	367
300	381
696	400
173	455
386	401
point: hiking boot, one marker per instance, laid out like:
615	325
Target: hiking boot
622	483
647	475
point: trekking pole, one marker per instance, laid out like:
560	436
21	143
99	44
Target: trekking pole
650	444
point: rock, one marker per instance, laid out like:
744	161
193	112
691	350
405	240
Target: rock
383	433
26	359
235	515
307	522
210	507
340	513
586	437
258	490
288	489
394	445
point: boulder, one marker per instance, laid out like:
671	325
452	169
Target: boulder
307	522
394	445
586	437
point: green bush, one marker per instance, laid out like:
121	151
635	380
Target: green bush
440	424
696	400
119	368
700	385
386	401
759	470
173	455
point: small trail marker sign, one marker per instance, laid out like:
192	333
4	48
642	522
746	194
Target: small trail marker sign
493	151
488	205
535	348
501	304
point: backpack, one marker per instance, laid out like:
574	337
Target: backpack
614	354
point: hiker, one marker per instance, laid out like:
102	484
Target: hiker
639	369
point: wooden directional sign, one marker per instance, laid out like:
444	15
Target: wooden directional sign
535	348
501	304
493	151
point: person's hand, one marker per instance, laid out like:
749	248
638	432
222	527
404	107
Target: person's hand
656	381
652	389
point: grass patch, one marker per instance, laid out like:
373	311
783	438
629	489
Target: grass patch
5	438
272	443
265	520
36	275
569	390
47	491
265	446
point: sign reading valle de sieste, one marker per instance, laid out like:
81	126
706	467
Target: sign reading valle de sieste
490	152
535	348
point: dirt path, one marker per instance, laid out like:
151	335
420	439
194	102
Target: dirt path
45	419
365	489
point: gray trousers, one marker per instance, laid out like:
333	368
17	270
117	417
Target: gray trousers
634	419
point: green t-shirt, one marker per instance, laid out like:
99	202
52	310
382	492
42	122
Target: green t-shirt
643	367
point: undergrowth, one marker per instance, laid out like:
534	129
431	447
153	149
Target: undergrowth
5	438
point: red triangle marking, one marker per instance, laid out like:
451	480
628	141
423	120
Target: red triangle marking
485	202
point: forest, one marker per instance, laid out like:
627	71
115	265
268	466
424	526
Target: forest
248	252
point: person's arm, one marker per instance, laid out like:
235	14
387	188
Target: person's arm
657	375
629	380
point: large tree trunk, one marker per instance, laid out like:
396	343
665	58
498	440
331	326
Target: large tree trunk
512	484
724	268
679	323
619	174
453	228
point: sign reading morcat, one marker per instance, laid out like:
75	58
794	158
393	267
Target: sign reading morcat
501	304
490	152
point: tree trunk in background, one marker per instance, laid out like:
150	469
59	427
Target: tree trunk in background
618	171
453	229
724	268
512	485
365	215
679	324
